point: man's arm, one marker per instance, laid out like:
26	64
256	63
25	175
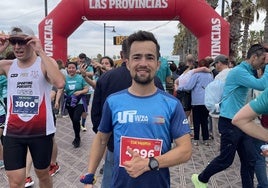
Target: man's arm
202	69
55	77
97	150
244	120
190	84
181	153
57	98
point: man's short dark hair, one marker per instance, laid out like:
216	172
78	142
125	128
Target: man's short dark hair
143	36
82	56
257	49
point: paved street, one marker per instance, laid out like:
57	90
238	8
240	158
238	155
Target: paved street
73	163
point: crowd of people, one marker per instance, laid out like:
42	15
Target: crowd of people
36	89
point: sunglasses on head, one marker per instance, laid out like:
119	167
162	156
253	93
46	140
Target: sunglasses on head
19	41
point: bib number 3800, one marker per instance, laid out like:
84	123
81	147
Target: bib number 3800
25	104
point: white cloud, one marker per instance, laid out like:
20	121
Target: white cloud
88	38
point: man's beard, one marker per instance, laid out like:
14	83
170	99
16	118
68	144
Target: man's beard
143	81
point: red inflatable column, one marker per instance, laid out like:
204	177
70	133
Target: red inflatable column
211	30
55	29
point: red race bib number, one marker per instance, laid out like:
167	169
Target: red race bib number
145	147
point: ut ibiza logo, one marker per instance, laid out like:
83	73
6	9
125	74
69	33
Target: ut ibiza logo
130	116
126	116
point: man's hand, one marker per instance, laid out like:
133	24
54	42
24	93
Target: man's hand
137	165
57	106
3	42
35	43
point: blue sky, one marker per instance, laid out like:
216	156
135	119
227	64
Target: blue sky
88	38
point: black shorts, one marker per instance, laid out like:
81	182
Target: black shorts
15	151
186	99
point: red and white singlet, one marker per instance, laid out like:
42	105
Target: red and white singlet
29	112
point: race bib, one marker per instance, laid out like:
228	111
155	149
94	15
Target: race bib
25	104
145	147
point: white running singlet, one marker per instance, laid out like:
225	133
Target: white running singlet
29	112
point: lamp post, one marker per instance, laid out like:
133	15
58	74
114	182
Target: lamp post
104	31
45	7
222	8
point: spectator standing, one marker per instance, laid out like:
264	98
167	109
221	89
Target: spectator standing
106	64
84	59
181	67
182	80
238	81
164	72
221	66
174	71
212	67
29	78
197	84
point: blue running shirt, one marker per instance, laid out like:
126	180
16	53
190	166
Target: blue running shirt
159	116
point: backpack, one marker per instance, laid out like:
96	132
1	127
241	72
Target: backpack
213	95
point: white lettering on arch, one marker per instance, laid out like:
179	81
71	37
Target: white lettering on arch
127	4
215	37
48	37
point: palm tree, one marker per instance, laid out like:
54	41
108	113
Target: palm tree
213	3
263	5
235	20
255	37
185	43
248	11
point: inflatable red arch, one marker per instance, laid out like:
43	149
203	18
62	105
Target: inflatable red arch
211	30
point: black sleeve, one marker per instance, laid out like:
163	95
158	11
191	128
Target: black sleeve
158	83
96	109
